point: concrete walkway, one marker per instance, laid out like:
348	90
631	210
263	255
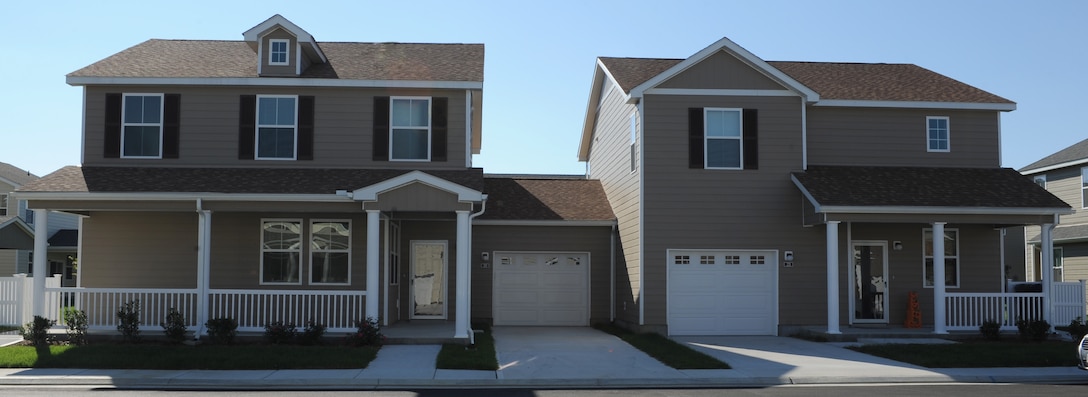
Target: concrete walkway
570	358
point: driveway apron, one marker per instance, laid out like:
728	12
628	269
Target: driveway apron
572	353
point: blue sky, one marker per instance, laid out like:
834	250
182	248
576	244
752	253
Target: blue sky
540	56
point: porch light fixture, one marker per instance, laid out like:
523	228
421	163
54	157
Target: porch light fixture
485	256
898	245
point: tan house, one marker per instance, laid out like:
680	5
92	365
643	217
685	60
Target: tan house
755	197
17	228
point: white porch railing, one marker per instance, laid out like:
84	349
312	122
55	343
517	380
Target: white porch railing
967	311
102	305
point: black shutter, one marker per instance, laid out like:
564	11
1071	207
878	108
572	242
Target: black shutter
171	126
247	126
381	128
112	141
305	128
695	138
439	128
751	139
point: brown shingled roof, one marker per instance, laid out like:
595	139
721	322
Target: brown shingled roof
355	61
546	199
630	72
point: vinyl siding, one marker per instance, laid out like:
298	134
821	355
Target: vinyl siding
139	250
1075	262
292	54
610	162
594	240
721	71
898	137
9	260
1066	185
343	127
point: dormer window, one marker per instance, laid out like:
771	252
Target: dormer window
279	52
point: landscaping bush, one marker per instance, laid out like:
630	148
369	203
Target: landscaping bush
37	331
368	333
174	327
1077	329
278	332
1035	330
990	329
128	321
76	320
222	330
313	333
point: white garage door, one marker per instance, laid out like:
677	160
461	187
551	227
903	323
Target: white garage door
722	292
541	288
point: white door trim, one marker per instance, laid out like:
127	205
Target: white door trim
445	279
853	283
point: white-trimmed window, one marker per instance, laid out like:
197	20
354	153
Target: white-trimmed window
1059	265
1084	187
937	134
633	140
410	129
394	253
951	257
724	141
141	126
277	127
1040	180
279	52
3	204
281	251
330	252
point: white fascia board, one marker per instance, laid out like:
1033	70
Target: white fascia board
1004	107
599	74
828	209
464	194
82	196
736	50
498	222
274	82
720	92
1055	166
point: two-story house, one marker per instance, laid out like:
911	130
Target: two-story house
279	178
1065	174
17	231
754	197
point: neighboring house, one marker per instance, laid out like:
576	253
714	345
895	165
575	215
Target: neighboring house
1065	174
17	231
755	197
279	178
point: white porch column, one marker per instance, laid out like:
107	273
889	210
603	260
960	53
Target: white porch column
461	323
41	256
372	255
203	267
833	277
1046	267
939	326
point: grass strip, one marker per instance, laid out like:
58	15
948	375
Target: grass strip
665	350
978	354
148	356
479	357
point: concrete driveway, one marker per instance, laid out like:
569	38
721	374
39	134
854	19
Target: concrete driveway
571	353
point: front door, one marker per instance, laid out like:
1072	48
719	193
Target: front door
428	282
869	286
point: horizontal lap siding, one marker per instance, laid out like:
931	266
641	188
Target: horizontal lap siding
209	127
898	137
721	71
139	250
1066	184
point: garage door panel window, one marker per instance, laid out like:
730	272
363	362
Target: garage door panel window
722	292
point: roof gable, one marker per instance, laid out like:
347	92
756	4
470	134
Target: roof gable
721	70
305	39
15	176
1074	155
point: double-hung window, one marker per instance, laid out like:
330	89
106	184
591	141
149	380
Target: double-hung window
330	252
951	257
633	140
1040	180
1084	187
279	52
3	204
141	126
281	251
410	128
277	124
937	134
724	141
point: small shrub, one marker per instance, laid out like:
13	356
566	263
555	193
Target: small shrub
367	333
1035	330
37	331
76	320
278	332
174	327
128	321
313	333
1077	329
990	330
222	330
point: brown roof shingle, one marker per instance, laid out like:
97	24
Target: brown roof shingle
157	58
546	199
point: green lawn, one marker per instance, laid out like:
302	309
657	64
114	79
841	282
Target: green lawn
154	356
458	356
664	349
979	354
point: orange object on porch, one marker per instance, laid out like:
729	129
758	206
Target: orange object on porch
914	315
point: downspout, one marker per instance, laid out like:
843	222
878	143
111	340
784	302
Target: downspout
804	135
1001	248
471	332
612	273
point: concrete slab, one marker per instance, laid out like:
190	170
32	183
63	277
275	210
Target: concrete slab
403	362
463	374
571	353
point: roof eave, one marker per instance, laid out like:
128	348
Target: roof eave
1072	163
599	74
1003	107
273	81
908	210
181	196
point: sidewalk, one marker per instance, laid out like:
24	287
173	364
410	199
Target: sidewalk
570	358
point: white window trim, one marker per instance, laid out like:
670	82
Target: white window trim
4	204
738	138
430	125
257	129
314	250
957	257
929	138
395	260
633	149
300	250
272	52
1059	263
124	109
1084	188
1040	180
